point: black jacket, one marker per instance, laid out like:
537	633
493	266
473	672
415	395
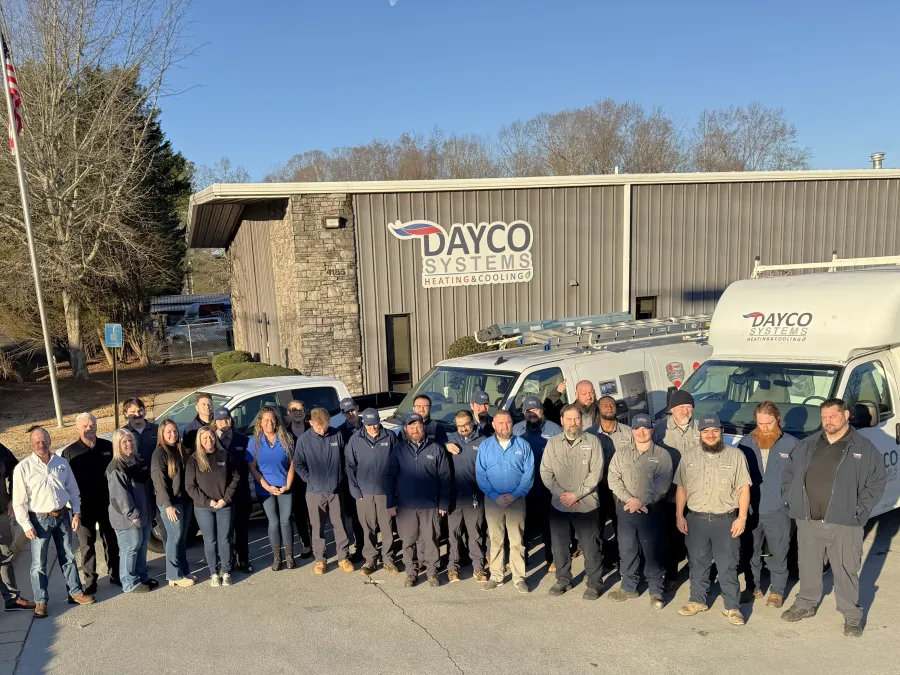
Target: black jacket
169	491
220	482
146	441
8	462
237	448
89	468
189	436
418	476
858	484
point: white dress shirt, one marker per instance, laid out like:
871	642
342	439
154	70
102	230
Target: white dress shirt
43	488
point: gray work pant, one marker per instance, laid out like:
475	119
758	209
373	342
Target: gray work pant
8	586
330	506
841	545
419	525
472	518
775	529
373	516
708	541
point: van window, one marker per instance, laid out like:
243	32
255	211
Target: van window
244	413
539	383
867	382
318	397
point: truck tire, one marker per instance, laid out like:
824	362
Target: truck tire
155	543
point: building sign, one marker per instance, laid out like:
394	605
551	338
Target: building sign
470	254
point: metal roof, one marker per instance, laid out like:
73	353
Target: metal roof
215	212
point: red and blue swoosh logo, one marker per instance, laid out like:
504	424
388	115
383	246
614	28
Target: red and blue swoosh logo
416	229
753	315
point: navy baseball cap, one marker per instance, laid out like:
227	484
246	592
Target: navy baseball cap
222	413
371	416
414	417
481	397
532	403
641	421
709	422
348	404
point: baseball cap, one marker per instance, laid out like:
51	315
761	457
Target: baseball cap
680	397
641	421
371	416
481	398
222	413
413	417
709	422
532	403
348	404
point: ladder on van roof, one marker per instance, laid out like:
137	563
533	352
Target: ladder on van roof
512	332
832	265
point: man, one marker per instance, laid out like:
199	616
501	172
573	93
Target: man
585	399
8	586
352	424
768	451
613	436
571	469
368	454
833	481
640	477
422	408
88	457
714	484
504	471
419	486
296	425
677	432
467	509
235	444
318	460
43	485
481	404
204	418
145	432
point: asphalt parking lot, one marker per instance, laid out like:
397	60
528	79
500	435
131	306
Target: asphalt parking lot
291	621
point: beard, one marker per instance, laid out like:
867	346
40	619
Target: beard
573	434
588	409
713	449
608	418
765	439
503	436
416	438
533	426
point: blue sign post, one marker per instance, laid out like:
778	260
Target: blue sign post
114	342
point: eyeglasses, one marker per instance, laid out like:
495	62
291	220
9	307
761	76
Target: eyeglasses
293	410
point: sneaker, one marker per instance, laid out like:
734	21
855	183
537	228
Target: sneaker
346	565
391	568
853	627
795	614
40	610
410	581
182	583
226	579
657	602
775	600
693	608
452	576
305	551
591	593
18	604
489	585
82	599
140	588
559	588
621	595
215	580
735	618
481	576
367	569
319	569
434	582
522	587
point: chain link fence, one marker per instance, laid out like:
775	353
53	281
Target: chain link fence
197	341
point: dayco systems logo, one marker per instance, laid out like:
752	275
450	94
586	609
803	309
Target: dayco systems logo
779	326
470	254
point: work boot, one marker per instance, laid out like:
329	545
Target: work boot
621	595
346	565
82	599
481	576
40	610
795	614
17	604
319	569
452	576
434	582
591	593
775	600
657	602
559	588
735	618
410	581
751	594
367	569
692	608
489	585
853	627
391	568
184	582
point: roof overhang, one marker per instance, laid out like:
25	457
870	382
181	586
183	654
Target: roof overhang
216	212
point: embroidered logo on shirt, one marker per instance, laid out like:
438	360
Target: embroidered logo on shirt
429	456
334	444
106	454
221	463
653	459
784	455
517	452
725	466
857	455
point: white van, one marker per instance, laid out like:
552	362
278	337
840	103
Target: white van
799	340
637	372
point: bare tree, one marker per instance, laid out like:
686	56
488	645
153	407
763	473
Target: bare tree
84	142
223	171
755	138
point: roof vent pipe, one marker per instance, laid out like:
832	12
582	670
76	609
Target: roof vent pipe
877	160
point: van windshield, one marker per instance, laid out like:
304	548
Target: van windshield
450	390
731	390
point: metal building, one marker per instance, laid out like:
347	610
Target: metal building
372	281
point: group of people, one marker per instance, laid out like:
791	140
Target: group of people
667	488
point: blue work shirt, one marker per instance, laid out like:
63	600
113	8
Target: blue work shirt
319	460
765	486
419	476
463	464
537	439
509	471
367	461
272	462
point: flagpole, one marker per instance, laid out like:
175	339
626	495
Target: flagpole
23	190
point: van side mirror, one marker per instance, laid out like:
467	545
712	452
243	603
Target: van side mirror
669	392
865	415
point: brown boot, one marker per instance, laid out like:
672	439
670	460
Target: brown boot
346	565
775	601
40	610
693	608
83	599
319	569
452	575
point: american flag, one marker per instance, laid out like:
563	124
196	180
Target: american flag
10	78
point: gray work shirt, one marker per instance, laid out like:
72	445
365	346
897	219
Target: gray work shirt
712	480
645	475
676	440
573	468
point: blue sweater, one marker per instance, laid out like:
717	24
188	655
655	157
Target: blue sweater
463	464
765	486
418	476
367	462
509	471
319	461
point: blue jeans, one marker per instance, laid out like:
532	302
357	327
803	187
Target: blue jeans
176	541
278	513
215	524
60	529
133	556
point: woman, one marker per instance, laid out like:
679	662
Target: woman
175	507
296	425
212	479
130	512
270	459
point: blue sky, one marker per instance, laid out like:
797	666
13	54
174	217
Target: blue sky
275	77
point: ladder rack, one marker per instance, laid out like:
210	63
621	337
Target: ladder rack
688	327
512	332
834	264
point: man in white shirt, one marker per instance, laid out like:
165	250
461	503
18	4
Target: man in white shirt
43	486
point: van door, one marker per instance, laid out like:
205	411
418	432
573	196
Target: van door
873	380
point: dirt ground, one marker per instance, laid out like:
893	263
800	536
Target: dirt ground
22	405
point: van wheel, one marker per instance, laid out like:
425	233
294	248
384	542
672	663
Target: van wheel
155	543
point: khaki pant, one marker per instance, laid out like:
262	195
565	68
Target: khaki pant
509	522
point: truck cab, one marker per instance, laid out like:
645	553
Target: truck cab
799	340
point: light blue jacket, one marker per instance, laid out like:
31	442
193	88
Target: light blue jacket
501	472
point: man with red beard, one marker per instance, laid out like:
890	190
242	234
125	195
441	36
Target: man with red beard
767	450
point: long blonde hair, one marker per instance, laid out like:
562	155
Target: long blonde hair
199	452
120	435
174	453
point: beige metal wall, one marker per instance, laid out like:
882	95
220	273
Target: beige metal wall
690	241
578	236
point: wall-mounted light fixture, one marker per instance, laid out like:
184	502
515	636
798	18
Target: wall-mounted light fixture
334	222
